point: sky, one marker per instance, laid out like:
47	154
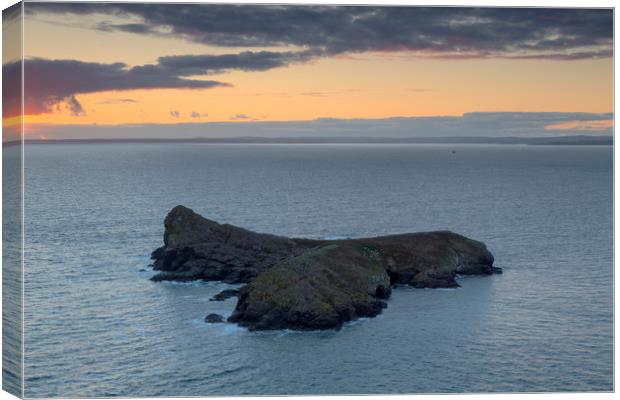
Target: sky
185	70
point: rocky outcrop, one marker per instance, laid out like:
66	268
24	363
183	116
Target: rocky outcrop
431	259
319	289
214	319
198	248
224	295
307	284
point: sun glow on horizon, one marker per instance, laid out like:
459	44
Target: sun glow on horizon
361	87
137	77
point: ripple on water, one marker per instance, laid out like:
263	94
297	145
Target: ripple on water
97	326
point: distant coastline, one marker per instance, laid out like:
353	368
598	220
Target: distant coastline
552	140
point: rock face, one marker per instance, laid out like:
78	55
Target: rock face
431	259
307	284
319	289
198	248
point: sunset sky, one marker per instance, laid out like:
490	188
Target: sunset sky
100	65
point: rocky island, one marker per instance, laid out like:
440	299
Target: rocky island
306	284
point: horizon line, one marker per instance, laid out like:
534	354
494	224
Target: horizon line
546	140
250	120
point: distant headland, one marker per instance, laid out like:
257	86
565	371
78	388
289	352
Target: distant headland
306	284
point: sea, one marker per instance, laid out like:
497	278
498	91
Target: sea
95	325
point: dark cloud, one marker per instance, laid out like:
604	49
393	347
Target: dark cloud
75	107
555	33
196	114
131	28
12	13
245	61
117	101
241	117
175	114
579	55
52	82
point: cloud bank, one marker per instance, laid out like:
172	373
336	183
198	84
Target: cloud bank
329	30
480	124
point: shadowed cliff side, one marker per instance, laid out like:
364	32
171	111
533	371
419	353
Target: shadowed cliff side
307	284
198	248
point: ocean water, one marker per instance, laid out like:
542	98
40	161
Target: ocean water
12	269
95	325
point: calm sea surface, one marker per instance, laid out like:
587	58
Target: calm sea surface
97	326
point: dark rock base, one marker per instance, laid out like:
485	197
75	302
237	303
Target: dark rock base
225	294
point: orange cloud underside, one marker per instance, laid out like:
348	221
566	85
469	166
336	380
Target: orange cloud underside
597	125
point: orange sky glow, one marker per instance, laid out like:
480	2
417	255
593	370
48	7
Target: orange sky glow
373	84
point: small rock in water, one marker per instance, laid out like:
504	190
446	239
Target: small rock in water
225	294
214	318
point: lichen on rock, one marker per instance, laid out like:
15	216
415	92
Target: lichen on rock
319	289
